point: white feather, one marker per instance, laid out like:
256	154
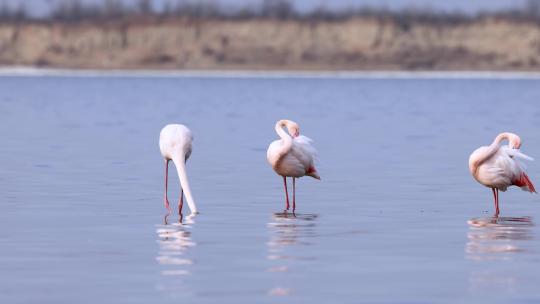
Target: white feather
175	144
502	168
295	162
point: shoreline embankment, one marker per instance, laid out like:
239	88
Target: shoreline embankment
353	44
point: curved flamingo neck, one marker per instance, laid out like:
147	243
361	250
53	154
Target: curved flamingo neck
180	163
286	139
513	141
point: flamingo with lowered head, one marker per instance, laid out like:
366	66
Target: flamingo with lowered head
292	155
498	167
175	144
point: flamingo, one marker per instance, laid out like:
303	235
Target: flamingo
292	156
175	144
498	167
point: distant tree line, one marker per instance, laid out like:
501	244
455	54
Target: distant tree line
80	11
12	14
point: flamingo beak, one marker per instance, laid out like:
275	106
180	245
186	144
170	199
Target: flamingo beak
297	133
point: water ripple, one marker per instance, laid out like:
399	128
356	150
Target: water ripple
288	233
174	241
496	238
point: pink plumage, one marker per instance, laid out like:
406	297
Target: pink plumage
499	167
293	155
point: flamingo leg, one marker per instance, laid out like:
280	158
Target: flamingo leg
286	193
496	200
293	194
181	204
166	184
497	208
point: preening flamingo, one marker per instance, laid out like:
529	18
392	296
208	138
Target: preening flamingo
292	155
498	167
175	144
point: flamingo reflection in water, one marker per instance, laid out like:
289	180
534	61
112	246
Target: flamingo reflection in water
498	237
174	242
289	234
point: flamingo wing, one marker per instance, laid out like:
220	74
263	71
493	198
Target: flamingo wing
521	179
305	152
505	169
516	153
288	164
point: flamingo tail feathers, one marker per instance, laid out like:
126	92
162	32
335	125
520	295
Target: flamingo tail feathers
525	183
313	172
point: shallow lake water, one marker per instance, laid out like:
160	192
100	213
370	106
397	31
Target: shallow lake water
396	218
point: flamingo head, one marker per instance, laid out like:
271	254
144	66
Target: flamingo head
293	128
513	140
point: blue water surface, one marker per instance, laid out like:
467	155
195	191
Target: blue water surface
396	218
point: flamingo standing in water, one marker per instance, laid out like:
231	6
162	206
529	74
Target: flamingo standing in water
498	167
292	155
175	144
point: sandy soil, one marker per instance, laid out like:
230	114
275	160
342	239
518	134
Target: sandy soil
357	44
